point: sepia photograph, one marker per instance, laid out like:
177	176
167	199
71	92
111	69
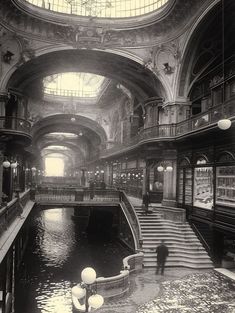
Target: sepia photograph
117	156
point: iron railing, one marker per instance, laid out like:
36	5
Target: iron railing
15	123
11	210
70	194
172	131
133	219
47	195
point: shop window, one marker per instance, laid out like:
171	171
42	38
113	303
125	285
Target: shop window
203	187
225	186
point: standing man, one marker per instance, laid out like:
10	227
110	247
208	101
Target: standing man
146	203
162	254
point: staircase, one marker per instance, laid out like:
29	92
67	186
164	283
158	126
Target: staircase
185	248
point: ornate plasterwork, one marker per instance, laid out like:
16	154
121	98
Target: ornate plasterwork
91	34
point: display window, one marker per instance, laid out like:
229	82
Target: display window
225	186
203	187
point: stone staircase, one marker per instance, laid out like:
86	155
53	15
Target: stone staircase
185	248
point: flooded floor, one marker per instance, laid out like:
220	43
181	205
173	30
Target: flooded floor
55	256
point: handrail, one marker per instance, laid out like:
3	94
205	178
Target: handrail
172	131
75	194
134	221
202	240
12	209
15	123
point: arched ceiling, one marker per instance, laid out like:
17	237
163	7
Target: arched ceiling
90	134
204	50
134	76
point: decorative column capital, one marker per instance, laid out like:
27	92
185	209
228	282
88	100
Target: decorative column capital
153	101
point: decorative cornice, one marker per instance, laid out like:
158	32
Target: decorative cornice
93	34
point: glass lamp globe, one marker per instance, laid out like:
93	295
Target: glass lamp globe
88	275
14	165
96	301
169	168
224	124
78	292
160	168
6	164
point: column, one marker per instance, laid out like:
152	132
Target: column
151	111
1	175
134	124
169	178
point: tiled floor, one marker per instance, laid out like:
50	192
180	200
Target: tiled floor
178	291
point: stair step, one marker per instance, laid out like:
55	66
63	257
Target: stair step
185	249
183	264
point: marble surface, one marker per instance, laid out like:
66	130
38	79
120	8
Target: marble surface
209	292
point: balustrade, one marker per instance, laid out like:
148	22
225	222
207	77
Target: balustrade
12	210
132	217
204	119
15	123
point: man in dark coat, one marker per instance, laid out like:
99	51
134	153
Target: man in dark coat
146	203
162	254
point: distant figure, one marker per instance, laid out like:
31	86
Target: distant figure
162	254
146	202
102	185
92	189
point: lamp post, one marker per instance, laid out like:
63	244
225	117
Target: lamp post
84	296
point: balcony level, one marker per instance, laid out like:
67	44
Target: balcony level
15	130
205	122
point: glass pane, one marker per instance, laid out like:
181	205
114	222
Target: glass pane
101	8
225	186
203	187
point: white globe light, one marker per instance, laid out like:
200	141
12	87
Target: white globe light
96	301
224	124
169	168
78	292
6	164
88	275
14	165
73	119
160	168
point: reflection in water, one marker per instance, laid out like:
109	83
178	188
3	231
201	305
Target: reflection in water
54	259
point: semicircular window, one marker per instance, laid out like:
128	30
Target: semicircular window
81	85
101	8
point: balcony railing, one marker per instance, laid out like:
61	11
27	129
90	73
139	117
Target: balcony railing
15	123
12	210
172	131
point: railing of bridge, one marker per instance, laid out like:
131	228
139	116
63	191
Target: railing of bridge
15	123
47	195
70	194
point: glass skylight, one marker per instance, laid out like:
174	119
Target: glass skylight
74	84
101	8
